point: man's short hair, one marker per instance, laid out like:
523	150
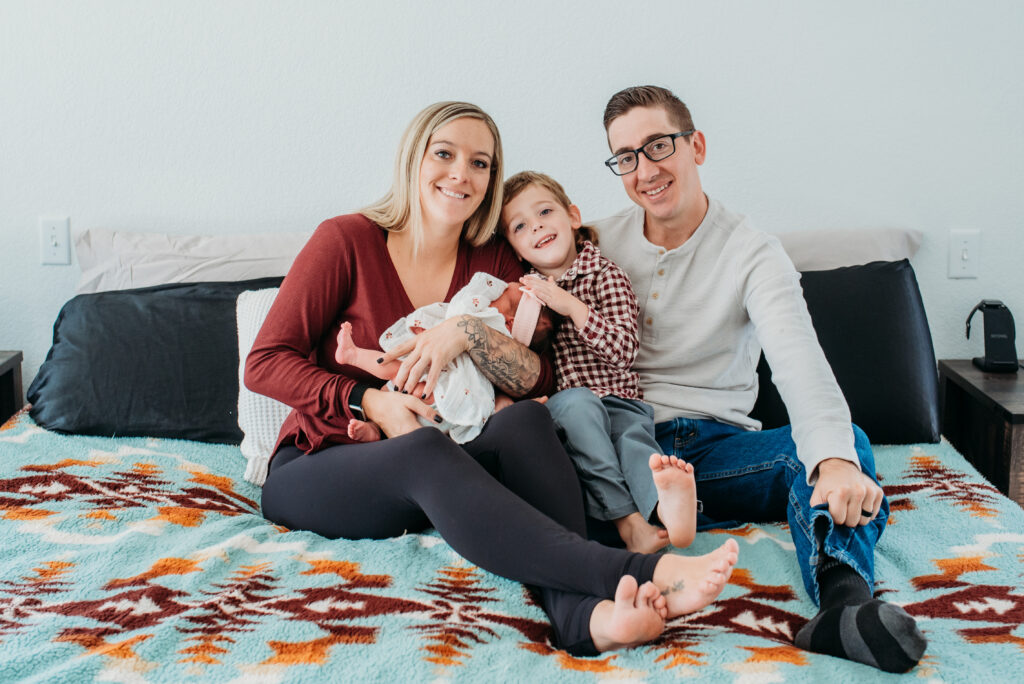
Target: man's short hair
648	96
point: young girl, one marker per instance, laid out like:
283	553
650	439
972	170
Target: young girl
609	430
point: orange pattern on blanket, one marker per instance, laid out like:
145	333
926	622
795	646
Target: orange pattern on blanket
163	567
741	577
994	635
314	652
100	515
185	517
950	570
64	463
205	652
22	513
51	571
776	654
347	570
568	662
224	484
680	653
95	644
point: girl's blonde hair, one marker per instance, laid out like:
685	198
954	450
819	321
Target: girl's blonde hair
400	209
524	179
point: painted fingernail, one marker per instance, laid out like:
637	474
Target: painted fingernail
380	360
423	396
437	419
404	392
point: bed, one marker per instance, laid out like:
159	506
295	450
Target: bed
133	547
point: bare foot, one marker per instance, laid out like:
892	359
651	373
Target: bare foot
677	498
363	431
347	350
691	582
641	536
634	617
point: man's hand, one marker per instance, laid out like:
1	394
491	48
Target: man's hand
853	498
395	413
429	352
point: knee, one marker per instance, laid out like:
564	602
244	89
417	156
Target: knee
575	405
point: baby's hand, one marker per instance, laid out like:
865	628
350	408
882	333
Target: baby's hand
555	298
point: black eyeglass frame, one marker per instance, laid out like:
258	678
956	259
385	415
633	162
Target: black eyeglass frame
613	162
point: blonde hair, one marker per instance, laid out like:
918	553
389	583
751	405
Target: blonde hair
400	209
524	179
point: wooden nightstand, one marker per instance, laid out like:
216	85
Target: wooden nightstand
983	417
11	398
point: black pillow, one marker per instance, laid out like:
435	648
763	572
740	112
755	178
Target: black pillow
871	323
157	361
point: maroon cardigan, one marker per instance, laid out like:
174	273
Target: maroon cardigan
344	273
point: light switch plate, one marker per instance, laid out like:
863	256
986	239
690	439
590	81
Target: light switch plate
964	253
55	240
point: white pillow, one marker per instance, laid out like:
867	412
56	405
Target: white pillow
822	250
118	260
259	417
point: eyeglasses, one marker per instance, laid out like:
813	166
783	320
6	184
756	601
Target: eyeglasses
656	150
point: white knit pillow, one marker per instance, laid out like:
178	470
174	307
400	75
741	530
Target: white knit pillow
259	417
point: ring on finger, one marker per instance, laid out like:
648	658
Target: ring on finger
865	514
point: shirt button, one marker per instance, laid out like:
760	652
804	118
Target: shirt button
654	296
661	271
661	251
649	321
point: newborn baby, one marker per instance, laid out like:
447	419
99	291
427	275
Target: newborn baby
463	397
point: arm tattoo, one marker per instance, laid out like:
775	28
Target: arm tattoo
510	366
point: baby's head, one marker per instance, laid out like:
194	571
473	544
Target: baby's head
508	304
542	225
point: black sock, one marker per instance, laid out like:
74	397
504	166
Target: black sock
855	626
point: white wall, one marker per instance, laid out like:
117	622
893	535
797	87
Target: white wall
200	116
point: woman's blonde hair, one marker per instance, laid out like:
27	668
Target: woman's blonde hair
400	209
524	179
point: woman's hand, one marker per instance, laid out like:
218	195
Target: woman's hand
428	353
395	413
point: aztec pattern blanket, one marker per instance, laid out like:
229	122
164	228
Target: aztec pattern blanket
144	560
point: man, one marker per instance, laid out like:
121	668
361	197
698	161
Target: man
713	293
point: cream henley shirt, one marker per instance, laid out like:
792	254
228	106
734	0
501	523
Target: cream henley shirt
707	308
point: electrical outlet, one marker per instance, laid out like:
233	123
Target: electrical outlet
55	240
964	253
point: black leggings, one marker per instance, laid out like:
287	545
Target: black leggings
509	502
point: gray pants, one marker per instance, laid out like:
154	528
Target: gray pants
610	441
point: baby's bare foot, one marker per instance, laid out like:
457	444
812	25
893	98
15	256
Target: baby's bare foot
677	498
347	350
690	583
636	616
363	431
639	535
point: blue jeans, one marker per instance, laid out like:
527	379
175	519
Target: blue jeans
745	476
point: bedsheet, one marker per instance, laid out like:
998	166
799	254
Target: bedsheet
146	560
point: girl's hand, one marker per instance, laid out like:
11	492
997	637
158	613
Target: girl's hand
556	299
395	413
428	353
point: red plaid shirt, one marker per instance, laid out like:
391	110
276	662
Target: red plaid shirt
601	355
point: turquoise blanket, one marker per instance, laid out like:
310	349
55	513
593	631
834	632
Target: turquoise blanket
145	560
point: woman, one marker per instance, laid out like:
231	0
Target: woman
508	501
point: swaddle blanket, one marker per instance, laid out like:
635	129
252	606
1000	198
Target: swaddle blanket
463	396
